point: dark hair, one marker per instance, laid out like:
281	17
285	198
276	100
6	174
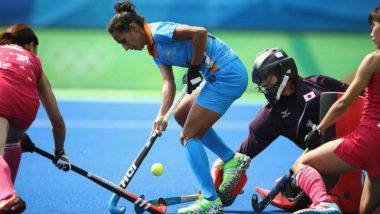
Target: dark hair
125	14
374	16
19	34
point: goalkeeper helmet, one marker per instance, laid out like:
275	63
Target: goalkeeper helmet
273	61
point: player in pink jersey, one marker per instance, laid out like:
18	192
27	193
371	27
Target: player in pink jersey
358	150
22	85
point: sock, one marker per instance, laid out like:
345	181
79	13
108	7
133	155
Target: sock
197	157
6	186
312	184
12	155
215	144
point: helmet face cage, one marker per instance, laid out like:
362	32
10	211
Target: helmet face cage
273	62
267	90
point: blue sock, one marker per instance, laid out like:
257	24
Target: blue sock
197	157
213	142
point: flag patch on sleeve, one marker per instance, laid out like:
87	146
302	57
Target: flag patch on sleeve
309	96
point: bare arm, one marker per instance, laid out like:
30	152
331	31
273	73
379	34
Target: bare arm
198	36
369	66
50	104
168	94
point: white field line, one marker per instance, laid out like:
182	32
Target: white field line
133	124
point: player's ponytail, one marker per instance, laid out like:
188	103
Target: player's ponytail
19	34
125	14
6	38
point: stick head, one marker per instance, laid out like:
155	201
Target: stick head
255	203
112	205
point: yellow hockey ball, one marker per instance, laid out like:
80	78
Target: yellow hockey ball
157	169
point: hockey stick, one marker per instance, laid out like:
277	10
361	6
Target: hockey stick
260	206
159	208
168	201
112	203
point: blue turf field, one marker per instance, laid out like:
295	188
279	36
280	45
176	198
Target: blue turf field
104	138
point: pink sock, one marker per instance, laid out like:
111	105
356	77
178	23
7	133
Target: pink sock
12	155
312	184
6	185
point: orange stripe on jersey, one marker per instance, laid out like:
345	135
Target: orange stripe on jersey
151	46
214	68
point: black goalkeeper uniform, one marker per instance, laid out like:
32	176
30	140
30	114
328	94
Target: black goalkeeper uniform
290	116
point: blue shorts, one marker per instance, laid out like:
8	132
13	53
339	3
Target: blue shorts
223	87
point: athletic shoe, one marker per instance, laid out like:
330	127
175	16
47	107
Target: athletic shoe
232	172
12	205
322	208
227	199
203	206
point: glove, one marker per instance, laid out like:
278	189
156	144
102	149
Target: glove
313	138
26	143
61	160
192	78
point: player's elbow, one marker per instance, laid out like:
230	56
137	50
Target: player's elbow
201	33
342	104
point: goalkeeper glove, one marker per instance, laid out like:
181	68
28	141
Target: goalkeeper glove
313	138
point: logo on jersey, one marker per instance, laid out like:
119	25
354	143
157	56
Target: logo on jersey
23	58
285	113
309	96
170	54
378	125
5	65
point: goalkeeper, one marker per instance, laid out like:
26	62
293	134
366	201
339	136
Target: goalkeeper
293	103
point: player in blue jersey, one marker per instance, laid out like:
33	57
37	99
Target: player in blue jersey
206	57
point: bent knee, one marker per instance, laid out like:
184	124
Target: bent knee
180	117
185	136
14	135
298	165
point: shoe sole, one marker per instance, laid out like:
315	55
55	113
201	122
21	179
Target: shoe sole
325	211
213	210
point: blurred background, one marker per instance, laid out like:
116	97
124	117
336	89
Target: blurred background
82	61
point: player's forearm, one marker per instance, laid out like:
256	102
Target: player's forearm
336	110
168	94
59	134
